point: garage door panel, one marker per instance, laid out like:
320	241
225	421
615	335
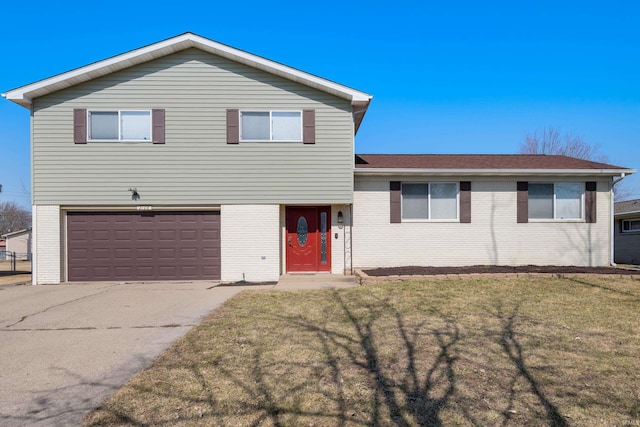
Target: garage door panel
167	235
188	235
169	253
125	253
99	252
142	235
143	246
100	235
144	271
122	235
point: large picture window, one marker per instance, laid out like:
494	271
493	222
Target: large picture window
271	126
561	200
119	125
430	201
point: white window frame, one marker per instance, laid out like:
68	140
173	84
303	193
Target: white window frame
271	125
555	216
456	219
89	139
622	230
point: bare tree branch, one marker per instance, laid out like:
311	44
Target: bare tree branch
551	141
13	217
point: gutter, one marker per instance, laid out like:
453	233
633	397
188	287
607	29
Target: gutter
614	181
490	172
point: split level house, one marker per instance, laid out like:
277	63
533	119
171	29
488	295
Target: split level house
188	159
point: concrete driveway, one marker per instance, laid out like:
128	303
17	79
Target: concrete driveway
65	348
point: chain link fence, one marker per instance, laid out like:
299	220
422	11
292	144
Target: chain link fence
14	263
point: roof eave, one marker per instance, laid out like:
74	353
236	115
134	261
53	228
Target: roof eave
13	233
626	214
492	172
23	95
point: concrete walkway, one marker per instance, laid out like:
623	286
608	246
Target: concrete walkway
303	281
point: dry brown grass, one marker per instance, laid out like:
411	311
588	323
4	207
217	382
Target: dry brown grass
507	352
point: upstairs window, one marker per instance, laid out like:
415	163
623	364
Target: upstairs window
560	200
124	125
430	201
271	126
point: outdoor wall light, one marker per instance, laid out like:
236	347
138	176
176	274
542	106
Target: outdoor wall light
134	194
340	217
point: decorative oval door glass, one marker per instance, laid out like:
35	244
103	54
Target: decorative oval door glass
302	231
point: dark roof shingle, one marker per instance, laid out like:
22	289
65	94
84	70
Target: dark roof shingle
474	161
627	206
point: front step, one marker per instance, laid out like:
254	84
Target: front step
314	281
317	277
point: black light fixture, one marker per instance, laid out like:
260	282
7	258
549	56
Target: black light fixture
340	217
134	194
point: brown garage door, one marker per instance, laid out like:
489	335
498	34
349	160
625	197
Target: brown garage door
143	246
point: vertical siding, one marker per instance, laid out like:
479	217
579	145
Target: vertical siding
46	245
249	242
627	245
195	165
492	238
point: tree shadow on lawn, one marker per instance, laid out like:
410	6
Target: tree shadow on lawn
515	351
417	398
589	284
357	380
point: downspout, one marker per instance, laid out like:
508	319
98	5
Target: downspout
613	220
351	237
34	216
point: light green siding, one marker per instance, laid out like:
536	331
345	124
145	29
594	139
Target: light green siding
196	165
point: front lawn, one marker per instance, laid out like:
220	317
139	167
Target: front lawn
477	352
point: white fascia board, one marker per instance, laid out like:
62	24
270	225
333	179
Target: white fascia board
14	233
24	94
493	172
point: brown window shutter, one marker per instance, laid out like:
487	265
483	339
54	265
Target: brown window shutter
157	125
523	202
80	126
590	202
395	188
465	202
233	126
309	126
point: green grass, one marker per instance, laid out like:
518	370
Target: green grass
515	352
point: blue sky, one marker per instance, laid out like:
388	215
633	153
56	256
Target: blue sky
447	77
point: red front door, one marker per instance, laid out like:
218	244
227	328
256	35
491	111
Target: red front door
308	239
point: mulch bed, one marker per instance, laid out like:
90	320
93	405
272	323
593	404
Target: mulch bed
476	269
248	284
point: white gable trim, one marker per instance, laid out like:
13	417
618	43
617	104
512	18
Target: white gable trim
25	94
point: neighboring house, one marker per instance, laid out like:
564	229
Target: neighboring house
19	243
627	232
188	159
